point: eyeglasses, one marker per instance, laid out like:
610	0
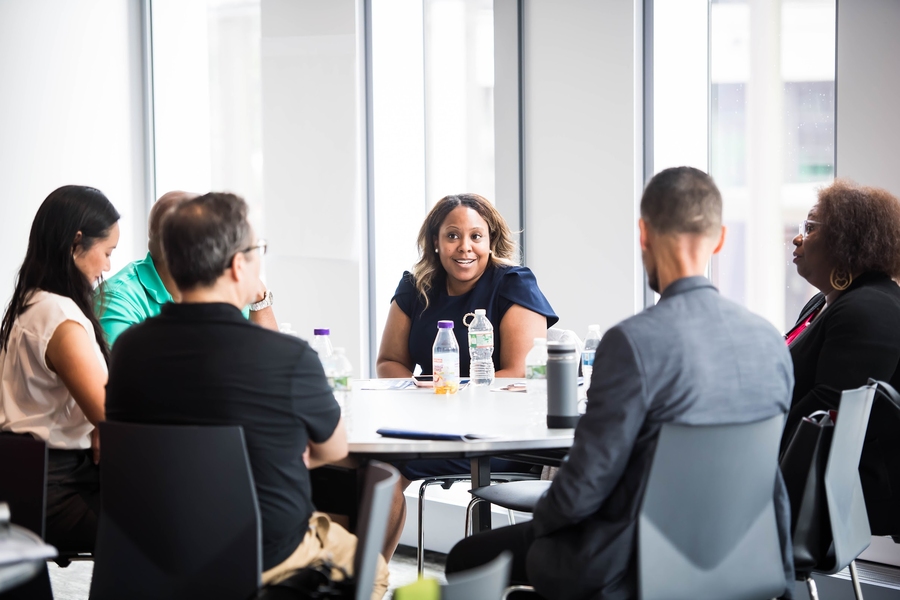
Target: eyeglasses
807	227
262	245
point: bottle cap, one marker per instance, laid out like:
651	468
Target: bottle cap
445	324
594	327
321	331
480	312
560	347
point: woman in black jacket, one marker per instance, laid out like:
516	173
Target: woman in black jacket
849	248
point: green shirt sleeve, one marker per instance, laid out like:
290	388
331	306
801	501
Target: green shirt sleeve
116	314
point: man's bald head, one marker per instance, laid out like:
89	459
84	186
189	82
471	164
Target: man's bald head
160	209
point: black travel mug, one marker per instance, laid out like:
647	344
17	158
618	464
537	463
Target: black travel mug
562	385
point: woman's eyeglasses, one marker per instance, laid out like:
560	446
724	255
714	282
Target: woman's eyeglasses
807	227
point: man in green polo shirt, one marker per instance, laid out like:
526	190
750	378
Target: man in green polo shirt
140	289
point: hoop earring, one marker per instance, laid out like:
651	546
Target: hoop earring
841	280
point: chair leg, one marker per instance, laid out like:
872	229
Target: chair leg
420	551
811	586
854	576
469	510
516	588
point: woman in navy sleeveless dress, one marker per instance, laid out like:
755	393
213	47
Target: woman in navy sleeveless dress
466	262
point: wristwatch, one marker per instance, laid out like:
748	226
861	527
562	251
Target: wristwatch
267	301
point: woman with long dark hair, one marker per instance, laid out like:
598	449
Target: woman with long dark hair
53	356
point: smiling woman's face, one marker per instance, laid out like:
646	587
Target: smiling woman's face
810	257
464	247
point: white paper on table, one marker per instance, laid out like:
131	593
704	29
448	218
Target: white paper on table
20	545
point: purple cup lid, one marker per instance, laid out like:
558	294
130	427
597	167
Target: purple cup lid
445	324
321	331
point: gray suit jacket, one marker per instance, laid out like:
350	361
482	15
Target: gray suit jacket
694	358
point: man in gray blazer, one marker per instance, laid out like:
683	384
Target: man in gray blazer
694	358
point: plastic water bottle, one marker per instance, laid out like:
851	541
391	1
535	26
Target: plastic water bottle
536	368
590	351
481	349
445	360
338	370
322	343
286	328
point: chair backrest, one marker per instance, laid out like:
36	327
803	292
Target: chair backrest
374	511
707	525
179	517
23	480
485	583
843	490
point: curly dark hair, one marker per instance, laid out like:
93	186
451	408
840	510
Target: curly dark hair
861	227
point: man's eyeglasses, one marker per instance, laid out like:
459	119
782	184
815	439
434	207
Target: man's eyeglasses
262	245
807	227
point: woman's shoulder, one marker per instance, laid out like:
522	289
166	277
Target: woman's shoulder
514	277
46	309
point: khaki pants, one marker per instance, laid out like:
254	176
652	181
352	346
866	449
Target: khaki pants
326	540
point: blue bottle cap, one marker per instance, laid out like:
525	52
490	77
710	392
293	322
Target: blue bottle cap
445	324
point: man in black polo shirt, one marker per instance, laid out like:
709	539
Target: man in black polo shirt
201	363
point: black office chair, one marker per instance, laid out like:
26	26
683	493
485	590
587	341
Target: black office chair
521	496
846	522
707	525
23	480
23	486
179	518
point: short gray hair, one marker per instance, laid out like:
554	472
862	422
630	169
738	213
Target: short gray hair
201	236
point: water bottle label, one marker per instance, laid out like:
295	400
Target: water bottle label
587	358
535	371
339	383
483	339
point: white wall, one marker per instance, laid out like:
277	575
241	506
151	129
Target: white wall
867	88
868	121
583	167
313	168
70	113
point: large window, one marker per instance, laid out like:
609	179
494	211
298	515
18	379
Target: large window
771	141
433	121
208	98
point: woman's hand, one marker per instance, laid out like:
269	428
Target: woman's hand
518	329
71	354
393	356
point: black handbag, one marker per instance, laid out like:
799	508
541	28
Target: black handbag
803	467
313	582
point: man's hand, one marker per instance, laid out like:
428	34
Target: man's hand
95	444
265	317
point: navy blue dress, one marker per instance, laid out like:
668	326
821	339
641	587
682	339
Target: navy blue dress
498	288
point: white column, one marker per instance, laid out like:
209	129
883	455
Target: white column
765	134
314	167
582	100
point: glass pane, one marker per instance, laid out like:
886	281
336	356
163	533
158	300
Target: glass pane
771	141
208	97
459	98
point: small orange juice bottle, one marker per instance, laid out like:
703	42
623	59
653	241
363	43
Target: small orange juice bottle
445	360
